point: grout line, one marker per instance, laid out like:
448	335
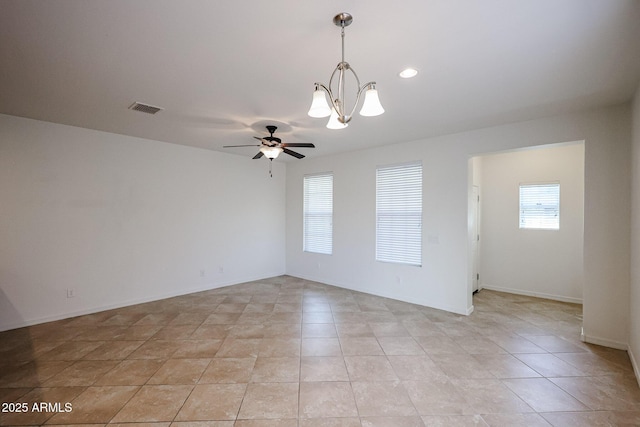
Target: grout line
487	302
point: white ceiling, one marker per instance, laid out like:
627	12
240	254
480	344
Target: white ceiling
223	69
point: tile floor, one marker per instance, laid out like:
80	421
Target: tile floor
289	352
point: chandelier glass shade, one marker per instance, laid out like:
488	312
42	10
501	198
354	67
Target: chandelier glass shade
334	122
336	109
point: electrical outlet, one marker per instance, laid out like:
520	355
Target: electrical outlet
220	270
71	293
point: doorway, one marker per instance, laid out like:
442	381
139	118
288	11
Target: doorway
536	262
475	238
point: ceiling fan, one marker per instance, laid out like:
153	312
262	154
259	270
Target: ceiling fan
271	146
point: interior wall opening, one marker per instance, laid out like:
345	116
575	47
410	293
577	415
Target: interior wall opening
508	256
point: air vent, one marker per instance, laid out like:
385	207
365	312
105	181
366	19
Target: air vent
149	109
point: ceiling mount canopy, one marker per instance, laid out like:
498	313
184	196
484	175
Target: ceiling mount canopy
338	113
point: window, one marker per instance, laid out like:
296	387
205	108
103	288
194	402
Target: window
318	214
399	214
540	206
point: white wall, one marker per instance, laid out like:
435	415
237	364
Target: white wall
444	281
634	300
123	220
352	264
544	263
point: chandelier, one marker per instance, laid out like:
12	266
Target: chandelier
339	115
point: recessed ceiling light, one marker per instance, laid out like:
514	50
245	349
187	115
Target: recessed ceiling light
407	73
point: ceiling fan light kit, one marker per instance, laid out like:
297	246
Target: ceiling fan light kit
271	152
336	110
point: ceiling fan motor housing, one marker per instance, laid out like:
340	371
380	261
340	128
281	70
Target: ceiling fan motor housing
272	138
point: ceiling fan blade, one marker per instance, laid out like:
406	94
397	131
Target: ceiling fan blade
260	154
293	153
248	145
299	144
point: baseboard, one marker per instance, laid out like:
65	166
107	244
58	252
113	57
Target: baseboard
532	294
636	371
127	303
604	342
396	297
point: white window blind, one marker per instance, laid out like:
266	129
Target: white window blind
318	213
399	214
540	206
